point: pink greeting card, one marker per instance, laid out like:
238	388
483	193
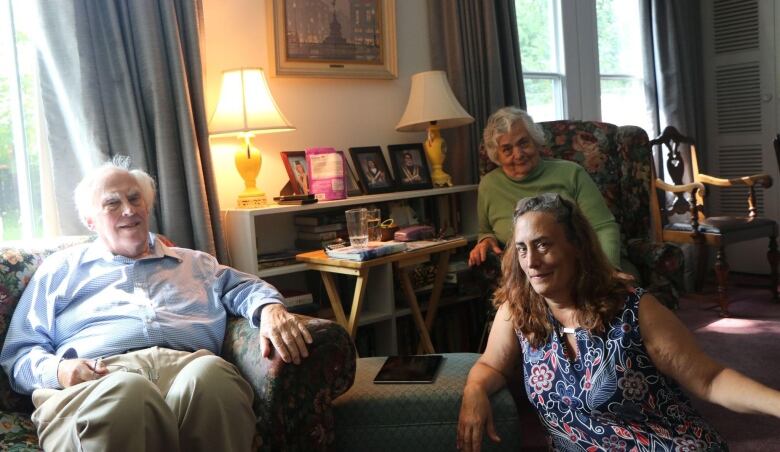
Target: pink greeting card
327	173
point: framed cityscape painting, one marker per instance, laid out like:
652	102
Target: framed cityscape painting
337	38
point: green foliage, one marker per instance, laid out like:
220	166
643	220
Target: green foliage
608	37
535	30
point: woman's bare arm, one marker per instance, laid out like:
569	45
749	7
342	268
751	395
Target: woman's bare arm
486	377
675	353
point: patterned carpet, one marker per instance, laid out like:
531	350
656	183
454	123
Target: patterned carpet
748	341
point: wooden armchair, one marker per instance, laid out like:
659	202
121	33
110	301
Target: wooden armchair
688	192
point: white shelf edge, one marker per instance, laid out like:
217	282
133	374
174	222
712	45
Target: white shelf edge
363	199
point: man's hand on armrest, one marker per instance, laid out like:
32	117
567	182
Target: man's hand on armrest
288	335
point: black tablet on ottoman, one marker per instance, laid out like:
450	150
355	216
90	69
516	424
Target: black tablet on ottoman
409	369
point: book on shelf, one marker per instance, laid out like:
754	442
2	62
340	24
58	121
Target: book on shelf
372	251
276	259
295	202
327	235
276	256
294	297
330	227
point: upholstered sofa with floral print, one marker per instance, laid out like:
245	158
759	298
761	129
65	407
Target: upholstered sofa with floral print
618	159
292	403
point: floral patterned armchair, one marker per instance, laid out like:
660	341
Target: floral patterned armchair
292	403
618	159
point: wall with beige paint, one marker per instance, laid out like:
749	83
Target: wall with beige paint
341	113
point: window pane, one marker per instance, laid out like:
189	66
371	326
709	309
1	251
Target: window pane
536	25
620	45
623	102
542	97
20	195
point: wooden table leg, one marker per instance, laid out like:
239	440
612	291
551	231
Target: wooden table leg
442	266
335	300
411	299
357	300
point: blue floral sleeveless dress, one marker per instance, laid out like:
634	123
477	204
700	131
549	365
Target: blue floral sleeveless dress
612	397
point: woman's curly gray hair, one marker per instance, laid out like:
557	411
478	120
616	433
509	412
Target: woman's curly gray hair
501	122
84	193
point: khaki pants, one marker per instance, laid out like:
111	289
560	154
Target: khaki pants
154	399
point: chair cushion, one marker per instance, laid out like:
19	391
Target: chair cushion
17	433
397	417
723	225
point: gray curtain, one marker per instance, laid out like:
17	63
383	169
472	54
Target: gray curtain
125	77
672	33
476	43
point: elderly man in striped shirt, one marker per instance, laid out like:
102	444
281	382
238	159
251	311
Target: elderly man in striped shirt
118	340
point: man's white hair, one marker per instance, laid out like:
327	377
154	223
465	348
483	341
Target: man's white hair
85	193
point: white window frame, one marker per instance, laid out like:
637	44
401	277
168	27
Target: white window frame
581	56
580	78
559	78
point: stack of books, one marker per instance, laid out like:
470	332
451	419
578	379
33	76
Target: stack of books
277	259
299	301
316	231
372	251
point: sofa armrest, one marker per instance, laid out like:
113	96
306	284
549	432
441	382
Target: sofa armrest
293	402
661	267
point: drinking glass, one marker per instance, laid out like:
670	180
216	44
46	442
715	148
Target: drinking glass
357	227
374	219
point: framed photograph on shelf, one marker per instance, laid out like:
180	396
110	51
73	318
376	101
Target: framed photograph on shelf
297	171
354	187
410	166
372	169
340	38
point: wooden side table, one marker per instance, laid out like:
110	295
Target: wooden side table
318	260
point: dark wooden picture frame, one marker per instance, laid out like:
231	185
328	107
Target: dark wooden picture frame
291	161
372	168
410	166
354	185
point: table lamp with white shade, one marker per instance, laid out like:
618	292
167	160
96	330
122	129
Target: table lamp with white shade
432	106
247	108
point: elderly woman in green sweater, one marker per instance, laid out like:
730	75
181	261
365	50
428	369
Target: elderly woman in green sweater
513	141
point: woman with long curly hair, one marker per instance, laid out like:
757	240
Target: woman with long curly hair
601	359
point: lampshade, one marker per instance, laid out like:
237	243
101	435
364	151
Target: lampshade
431	99
245	109
246	105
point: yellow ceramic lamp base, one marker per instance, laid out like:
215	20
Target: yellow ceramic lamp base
436	150
248	163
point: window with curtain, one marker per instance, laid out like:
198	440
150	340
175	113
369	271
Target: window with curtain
582	59
20	127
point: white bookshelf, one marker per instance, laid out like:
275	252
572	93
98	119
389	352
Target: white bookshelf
250	232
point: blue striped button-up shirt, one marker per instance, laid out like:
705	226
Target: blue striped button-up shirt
86	302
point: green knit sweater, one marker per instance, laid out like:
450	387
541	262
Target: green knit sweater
498	195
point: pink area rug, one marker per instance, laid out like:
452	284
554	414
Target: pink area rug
748	341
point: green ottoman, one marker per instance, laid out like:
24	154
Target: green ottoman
412	417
